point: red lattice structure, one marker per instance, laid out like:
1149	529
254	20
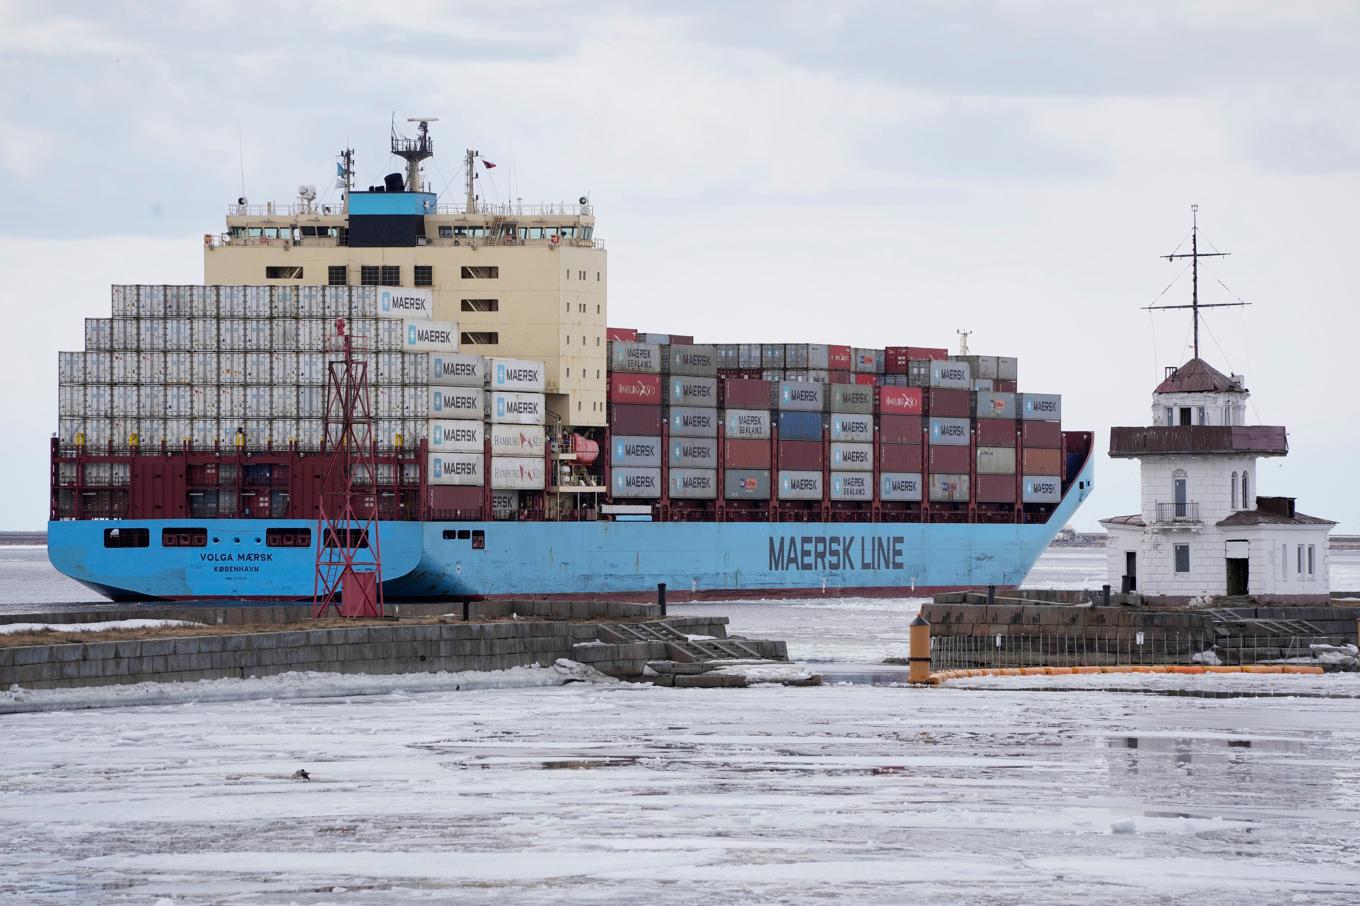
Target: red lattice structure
348	553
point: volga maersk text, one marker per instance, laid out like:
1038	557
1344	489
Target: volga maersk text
512	443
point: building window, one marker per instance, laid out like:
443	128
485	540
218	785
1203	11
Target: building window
424	275
480	272
597	310
481	305
1182	558
1233	484
337	275
481	338
1300	559
1284	561
391	275
127	537
1245	496
1312	563
446	232
368	275
286	272
1200	415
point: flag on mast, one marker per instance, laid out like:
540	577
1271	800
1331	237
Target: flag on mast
488	164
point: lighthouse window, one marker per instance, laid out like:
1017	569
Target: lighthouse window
424	275
1311	562
1245	488
1182	558
1185	416
1234	490
1300	558
1199	413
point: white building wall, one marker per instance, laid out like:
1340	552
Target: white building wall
1272	558
1208	483
1219	408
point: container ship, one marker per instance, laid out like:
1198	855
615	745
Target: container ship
518	445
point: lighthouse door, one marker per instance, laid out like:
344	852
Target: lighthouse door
1130	571
1237	564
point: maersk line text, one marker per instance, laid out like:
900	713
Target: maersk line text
808	553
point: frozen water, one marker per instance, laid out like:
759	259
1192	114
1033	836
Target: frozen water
101	626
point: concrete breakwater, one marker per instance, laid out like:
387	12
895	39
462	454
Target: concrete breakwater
595	633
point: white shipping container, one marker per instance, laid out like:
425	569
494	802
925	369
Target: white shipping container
516	374
693	453
231	402
151	335
203	334
312	301
852	486
386	401
751	424
415	402
151	431
178	402
231	367
282	431
179	367
177	431
638	358
98	367
801	396
178	334
258	299
203	367
450	369
124	367
98	432
125	399
1041	407
518	440
257	333
635	482
151	300
456	402
259	401
123	300
945	488
98	401
899	486
388	368
98	334
425	336
203	301
285	302
311	368
363	301
257	368
231	301
69	430
231	335
120	432
463	469
1040	489
415	304
179	302
686	390
202	402
310	431
204	432
950	432
799	485
336	304
950	373
124	335
283	367
284	401
151	367
507	408
855	428
463	436
283	334
691	422
311	401
504	504
311	334
70	401
852	457
256	431
151	401
693	484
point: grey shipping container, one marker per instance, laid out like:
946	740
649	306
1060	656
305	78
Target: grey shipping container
852	427
746	484
638	358
751	424
949	488
850	398
852	486
996	460
748	356
1040	489
800	396
899	486
866	361
991	404
1007	368
693	452
796	485
635	482
796	355
688	421
772	355
1044	407
852	457
694	484
687	390
949	373
699	361
950	432
983	384
634	450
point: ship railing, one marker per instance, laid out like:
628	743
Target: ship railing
509	241
548	209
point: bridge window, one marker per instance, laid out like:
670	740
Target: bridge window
288	537
481	305
1182	553
289	272
184	537
480	272
127	537
481	337
368	275
390	275
424	275
337	275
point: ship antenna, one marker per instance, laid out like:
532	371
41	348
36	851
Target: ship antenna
470	166
963	340
344	176
1194	255
414	150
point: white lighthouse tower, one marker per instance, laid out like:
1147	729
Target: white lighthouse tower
1202	528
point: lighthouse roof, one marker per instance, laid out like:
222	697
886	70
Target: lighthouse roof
1198	376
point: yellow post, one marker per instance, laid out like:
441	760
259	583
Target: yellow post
918	651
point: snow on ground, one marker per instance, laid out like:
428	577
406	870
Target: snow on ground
93	627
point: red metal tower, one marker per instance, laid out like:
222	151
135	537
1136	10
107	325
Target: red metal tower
348	555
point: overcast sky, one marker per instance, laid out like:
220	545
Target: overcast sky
855	173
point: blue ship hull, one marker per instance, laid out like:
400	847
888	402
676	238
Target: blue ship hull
575	559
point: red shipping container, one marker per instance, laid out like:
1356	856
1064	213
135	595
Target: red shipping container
837	359
445	497
840	377
635	420
950	403
995	432
746	454
926	352
1041	462
895	360
746	394
802	455
951	460
677	339
900	457
635	389
995	489
899	429
1001	386
903	400
869	379
627	334
1047	435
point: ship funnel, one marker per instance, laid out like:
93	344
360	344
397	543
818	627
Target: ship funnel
393	182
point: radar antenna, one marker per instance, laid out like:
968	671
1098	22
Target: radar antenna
1194	255
414	150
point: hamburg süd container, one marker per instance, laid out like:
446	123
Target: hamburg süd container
746	484
950	403
852	486
457	402
950	431
694	484
746	454
638	358
687	390
800	426
749	423
1040	489
995	460
686	421
635	420
992	405
902	457
1041	407
504	407
899	486
635	482
800	484
950	374
995	489
412	304
517	440
455	468
693	453
950	460
518	473
633	450
453	369
801	396
948	488
696	361
899	400
1041	461
848	457
853	428
461	436
801	455
858	398
427	336
516	374
635	388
